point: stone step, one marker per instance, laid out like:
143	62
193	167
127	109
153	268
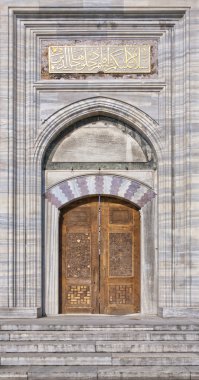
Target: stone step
108	327
147	347
99	373
63	349
99	346
108	359
47	346
102	335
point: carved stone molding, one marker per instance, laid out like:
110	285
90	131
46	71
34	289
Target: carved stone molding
93	106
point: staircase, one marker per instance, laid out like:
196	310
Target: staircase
99	347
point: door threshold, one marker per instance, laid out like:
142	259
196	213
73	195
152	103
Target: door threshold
136	315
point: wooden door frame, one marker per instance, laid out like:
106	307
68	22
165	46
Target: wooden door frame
98	214
149	290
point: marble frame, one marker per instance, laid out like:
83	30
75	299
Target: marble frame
170	132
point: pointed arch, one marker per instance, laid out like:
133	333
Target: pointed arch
83	109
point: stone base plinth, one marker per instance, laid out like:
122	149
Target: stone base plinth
20	312
175	312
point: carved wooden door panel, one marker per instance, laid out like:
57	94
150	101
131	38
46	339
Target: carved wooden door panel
120	258
99	258
79	259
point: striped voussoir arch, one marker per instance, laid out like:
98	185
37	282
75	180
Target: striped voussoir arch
78	187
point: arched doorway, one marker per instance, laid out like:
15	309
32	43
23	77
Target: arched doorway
100	256
101	152
133	192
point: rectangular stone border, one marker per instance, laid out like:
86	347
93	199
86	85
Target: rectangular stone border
24	287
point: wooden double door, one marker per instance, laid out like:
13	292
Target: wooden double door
100	257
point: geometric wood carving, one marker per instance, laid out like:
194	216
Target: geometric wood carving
120	254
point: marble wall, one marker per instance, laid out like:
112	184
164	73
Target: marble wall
163	109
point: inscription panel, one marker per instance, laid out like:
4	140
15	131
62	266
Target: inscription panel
120	254
120	58
78	255
98	59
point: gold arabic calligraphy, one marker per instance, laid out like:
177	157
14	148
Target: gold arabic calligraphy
100	58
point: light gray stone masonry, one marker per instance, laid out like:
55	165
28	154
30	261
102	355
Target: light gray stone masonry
164	110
